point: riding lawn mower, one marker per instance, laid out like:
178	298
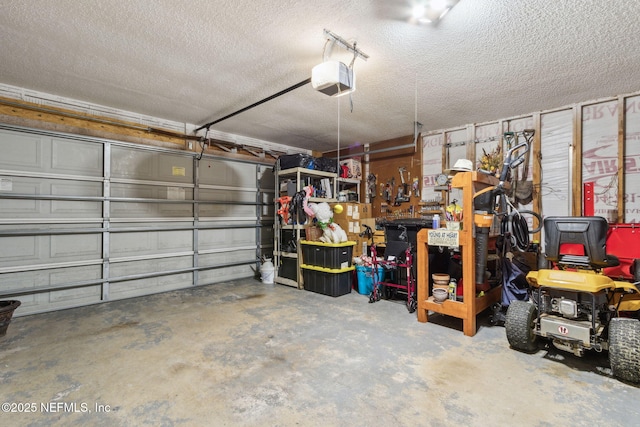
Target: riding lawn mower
574	305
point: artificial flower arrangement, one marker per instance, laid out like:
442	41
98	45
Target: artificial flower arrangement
491	162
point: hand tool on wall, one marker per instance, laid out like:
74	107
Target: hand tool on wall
404	184
371	185
403	189
388	189
416	187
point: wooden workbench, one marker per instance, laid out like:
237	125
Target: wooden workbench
471	305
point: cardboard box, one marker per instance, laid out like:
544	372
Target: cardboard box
371	222
354	168
352	211
357	249
378	237
350	219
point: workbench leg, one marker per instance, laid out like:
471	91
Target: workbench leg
422	279
469	326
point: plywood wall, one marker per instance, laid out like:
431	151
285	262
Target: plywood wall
386	167
384	164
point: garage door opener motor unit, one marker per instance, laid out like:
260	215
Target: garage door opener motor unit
333	78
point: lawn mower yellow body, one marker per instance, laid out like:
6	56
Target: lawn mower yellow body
591	282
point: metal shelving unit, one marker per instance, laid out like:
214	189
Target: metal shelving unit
285	258
348	184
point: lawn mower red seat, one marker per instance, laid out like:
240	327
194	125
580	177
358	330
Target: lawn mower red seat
588	231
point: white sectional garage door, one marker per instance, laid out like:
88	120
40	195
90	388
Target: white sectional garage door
85	220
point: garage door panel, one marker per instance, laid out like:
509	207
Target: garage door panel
74	297
226	211
58	300
246	174
29	208
151	242
224	274
132	164
150	191
167	210
29	304
10	208
20	250
266	236
76	158
151	210
122	225
175	240
135	288
22	280
227	257
209	239
20	151
174	168
75	209
59	276
75	247
35	250
266	179
147	165
53	300
228	196
129	268
123	244
121	190
220	172
230	208
74	188
49	277
266	199
133	210
21	209
267	210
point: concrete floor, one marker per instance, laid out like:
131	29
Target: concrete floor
248	354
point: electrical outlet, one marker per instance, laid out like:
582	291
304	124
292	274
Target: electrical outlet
190	145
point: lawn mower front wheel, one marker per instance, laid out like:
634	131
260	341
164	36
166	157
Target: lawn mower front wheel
519	324
624	349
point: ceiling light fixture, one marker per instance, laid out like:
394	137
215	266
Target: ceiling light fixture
335	78
431	11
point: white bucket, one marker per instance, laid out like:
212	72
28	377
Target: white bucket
267	271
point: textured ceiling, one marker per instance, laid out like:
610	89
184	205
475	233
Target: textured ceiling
195	61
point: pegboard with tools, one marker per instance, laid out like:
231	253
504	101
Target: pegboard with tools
398	187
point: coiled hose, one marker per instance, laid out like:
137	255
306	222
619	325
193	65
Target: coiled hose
515	224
